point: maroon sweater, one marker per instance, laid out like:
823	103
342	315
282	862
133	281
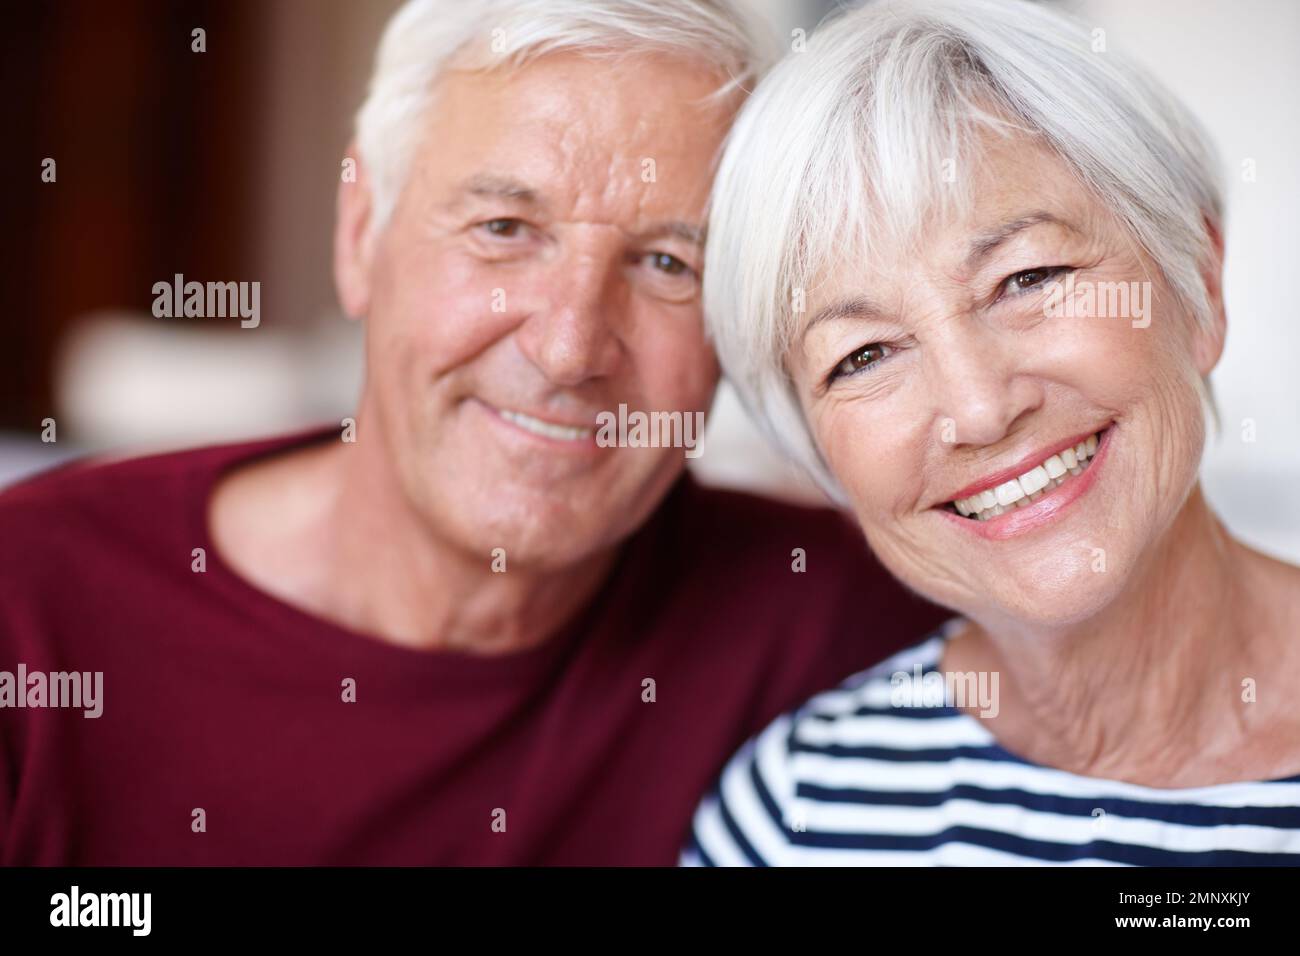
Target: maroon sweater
217	696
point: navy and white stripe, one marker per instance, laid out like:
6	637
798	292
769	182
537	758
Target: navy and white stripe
851	780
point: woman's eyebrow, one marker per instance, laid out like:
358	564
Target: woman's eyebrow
850	307
861	307
982	247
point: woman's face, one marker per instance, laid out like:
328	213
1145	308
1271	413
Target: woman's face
953	380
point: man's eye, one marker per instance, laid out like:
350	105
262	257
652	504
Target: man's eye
863	358
1030	279
668	264
503	228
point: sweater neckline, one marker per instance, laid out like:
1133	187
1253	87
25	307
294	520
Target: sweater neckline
320	636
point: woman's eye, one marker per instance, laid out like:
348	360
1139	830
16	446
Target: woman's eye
1030	279
863	358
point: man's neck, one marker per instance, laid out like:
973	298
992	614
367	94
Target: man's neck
327	529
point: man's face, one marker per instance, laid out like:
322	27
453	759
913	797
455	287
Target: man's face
542	266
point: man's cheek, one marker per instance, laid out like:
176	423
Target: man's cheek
446	333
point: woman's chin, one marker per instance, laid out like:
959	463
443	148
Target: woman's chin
1051	596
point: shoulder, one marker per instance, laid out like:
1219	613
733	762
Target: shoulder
790	597
758	516
93	489
743	535
756	815
74	517
799	573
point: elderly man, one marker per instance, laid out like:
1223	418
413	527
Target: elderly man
460	630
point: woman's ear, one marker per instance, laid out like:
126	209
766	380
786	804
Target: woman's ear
354	238
1209	338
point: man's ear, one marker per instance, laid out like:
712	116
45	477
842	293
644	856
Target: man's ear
1209	339
354	237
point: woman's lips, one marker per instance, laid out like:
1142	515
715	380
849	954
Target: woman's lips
1024	512
1025	465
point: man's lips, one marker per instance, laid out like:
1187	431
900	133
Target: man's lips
1024	465
542	425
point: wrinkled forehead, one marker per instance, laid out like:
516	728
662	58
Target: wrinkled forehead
591	137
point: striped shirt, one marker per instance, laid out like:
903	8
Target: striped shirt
852	779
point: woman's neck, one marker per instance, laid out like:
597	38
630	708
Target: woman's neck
1175	683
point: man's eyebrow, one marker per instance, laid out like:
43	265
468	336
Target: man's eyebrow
686	231
500	187
983	246
503	187
851	307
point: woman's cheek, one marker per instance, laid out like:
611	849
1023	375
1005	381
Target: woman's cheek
1177	430
859	451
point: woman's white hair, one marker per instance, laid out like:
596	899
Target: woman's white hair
859	136
426	37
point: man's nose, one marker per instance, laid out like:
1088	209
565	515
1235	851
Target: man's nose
573	334
979	382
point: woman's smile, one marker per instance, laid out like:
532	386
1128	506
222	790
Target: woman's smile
936	315
1030	494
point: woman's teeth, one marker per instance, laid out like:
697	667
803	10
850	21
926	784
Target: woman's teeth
1032	485
546	429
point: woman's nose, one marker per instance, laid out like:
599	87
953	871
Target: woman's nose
980	384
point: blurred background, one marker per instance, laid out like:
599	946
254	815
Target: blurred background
223	165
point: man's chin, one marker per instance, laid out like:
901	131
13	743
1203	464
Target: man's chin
544	514
536	525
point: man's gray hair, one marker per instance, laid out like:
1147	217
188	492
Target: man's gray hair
426	37
854	136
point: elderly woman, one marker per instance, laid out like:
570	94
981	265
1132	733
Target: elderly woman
967	269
